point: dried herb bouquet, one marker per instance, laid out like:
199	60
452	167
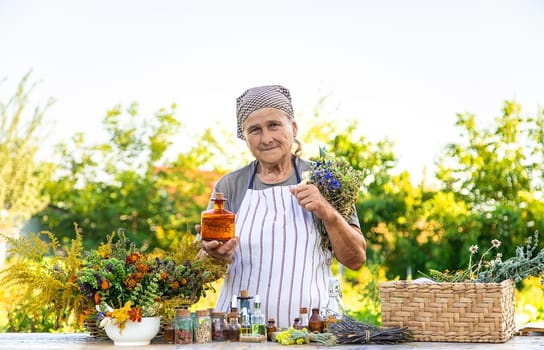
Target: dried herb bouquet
116	282
338	182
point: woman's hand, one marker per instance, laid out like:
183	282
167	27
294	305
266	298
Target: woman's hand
219	250
348	243
309	197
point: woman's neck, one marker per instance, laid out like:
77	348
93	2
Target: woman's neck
274	173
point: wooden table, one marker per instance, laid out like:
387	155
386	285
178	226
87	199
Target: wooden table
73	341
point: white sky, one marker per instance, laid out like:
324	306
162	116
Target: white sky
402	68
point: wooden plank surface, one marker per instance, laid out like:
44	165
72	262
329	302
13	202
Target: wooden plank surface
73	341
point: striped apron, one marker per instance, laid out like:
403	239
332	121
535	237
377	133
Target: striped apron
279	256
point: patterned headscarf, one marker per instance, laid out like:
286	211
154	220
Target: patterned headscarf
274	96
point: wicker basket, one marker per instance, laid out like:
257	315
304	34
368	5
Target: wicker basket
94	330
450	312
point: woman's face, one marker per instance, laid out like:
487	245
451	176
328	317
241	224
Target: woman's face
270	134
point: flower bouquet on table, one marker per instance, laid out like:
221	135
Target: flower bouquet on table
66	288
125	283
338	182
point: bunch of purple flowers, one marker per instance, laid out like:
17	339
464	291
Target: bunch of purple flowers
338	182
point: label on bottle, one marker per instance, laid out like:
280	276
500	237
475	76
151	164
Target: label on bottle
216	228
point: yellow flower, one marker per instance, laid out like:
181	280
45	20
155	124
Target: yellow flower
121	315
104	250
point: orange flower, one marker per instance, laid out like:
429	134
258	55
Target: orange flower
97	298
175	285
183	281
105	284
83	316
142	267
163	276
72	279
132	258
135	314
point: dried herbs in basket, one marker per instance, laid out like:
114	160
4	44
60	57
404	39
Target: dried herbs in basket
528	261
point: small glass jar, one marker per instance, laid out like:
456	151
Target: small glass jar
232	333
183	327
296	323
218	326
304	319
203	329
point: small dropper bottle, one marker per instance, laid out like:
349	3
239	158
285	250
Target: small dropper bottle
245	327
258	325
233	308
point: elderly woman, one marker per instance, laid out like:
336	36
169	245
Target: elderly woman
277	252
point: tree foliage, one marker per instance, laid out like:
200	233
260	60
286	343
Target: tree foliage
491	188
497	172
22	176
127	182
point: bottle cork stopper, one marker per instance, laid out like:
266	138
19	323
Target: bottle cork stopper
183	312
244	293
219	196
202	313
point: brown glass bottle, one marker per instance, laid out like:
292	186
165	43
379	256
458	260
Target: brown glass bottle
270	328
316	323
217	223
169	333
